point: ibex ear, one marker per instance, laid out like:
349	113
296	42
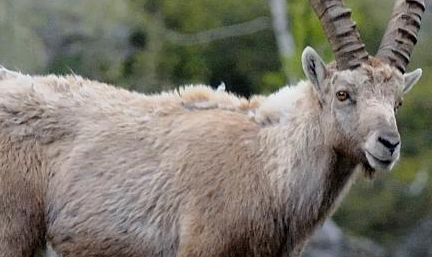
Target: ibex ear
410	79
314	68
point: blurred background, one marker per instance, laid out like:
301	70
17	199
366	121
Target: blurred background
254	47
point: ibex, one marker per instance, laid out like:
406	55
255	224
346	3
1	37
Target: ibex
99	171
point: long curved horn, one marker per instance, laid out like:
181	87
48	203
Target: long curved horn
341	31
401	34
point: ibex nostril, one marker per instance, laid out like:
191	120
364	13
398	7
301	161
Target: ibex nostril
391	146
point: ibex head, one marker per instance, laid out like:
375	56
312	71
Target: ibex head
359	94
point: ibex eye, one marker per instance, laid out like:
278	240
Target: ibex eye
342	95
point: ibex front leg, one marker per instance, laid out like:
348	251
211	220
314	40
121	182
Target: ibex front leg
21	226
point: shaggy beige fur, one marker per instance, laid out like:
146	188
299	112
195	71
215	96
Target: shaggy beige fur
99	171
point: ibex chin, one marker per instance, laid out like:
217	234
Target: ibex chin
98	171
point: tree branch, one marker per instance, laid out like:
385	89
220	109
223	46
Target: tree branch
284	38
237	30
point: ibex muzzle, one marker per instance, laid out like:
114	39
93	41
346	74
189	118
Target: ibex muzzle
382	145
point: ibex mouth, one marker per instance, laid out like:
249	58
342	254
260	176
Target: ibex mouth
377	163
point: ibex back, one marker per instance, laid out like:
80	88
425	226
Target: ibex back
99	171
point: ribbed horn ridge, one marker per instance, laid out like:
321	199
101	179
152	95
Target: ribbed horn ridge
341	32
401	34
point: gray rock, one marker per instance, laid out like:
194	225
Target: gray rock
329	241
326	242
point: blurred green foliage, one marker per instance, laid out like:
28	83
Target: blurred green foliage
132	44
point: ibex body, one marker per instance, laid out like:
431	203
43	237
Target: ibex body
99	171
